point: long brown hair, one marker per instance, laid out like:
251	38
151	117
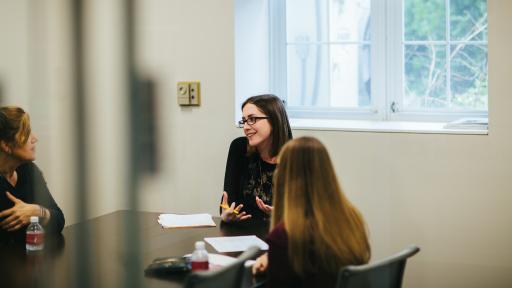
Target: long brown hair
14	126
274	108
317	216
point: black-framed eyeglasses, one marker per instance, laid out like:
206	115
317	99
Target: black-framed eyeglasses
250	120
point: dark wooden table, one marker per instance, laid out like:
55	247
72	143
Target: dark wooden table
108	254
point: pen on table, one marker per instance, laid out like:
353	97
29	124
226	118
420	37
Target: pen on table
227	207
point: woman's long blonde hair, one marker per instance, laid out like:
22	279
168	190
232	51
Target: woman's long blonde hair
325	231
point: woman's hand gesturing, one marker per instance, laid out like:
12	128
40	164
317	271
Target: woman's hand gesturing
230	213
264	207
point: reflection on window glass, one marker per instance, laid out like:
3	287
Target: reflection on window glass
307	75
328	53
306	20
354	90
349	20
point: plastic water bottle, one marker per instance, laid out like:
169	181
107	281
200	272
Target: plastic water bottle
35	235
199	258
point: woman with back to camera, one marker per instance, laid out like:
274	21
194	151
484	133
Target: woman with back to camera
23	190
315	229
252	159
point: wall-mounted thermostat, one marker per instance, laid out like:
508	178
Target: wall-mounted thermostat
189	93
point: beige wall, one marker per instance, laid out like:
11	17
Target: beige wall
450	194
36	73
14	52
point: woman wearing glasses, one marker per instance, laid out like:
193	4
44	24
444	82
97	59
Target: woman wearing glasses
252	159
23	190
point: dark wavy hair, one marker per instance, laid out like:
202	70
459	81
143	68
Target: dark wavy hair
273	107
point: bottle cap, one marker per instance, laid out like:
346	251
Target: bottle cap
199	245
34	219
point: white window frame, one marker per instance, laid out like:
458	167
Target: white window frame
386	78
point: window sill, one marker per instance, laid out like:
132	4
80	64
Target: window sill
380	126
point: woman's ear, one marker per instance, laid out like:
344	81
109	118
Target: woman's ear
5	148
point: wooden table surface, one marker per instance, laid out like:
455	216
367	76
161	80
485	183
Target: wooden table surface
107	253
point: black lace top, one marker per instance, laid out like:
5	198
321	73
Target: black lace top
248	176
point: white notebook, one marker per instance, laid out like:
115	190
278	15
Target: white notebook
235	243
185	220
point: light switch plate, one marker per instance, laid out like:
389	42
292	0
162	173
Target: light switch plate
183	93
189	93
195	93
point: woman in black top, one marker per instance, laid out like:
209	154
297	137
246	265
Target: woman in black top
23	190
252	159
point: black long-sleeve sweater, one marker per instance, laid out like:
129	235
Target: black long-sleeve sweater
30	188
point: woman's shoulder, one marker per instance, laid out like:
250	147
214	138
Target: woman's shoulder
29	173
27	167
278	234
239	141
239	144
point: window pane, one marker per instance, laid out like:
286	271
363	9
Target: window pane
350	76
424	20
328	74
306	20
349	20
468	20
425	77
469	76
308	75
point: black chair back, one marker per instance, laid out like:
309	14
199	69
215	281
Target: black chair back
386	273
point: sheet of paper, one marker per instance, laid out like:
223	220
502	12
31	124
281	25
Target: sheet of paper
187	220
235	243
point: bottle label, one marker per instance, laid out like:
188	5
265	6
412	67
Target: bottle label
35	238
199	265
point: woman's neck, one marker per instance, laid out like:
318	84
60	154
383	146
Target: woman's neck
8	166
264	151
266	157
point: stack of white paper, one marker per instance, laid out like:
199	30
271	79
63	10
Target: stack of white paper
183	221
235	243
468	124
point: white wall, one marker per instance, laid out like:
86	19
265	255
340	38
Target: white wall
179	41
27	75
14	52
36	74
450	194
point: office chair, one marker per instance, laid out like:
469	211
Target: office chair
229	277
386	273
